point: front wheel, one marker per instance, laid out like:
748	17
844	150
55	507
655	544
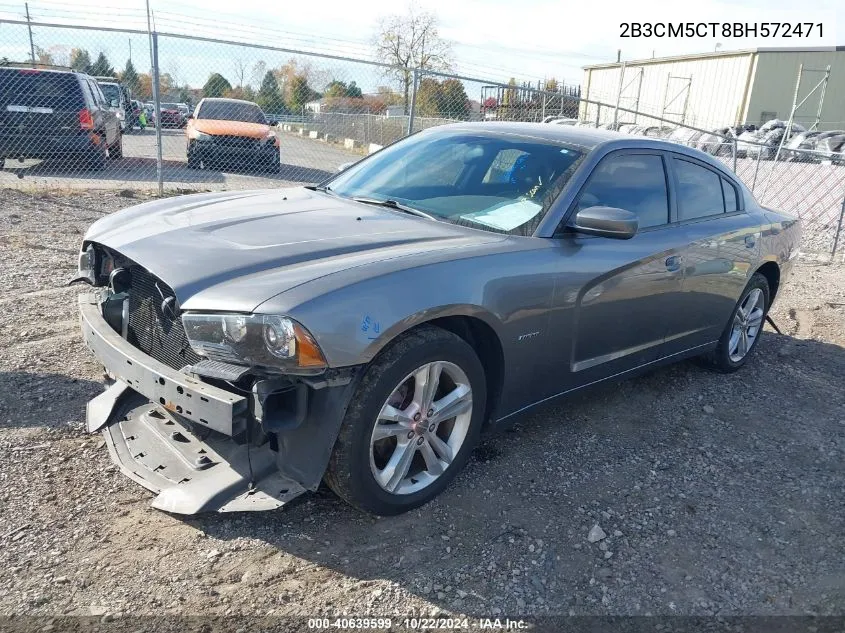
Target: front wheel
411	425
742	333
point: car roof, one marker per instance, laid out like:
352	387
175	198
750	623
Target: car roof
35	69
586	137
228	100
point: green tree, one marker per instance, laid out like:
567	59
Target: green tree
454	102
216	86
354	91
429	97
101	67
269	97
80	60
300	94
129	77
336	89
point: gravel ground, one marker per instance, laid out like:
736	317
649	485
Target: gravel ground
681	492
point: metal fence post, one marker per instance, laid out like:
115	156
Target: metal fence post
598	114
619	95
838	230
157	102
733	152
756	169
413	108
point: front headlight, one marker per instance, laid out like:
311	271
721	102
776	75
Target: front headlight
87	268
256	340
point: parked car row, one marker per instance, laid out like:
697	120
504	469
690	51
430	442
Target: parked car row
751	141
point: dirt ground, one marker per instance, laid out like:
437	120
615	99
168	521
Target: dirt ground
718	495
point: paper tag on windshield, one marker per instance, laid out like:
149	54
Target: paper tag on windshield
507	216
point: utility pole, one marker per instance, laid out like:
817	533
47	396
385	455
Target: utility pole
29	27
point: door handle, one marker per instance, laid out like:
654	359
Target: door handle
673	263
750	241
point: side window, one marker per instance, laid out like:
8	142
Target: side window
699	191
99	99
731	204
90	102
634	182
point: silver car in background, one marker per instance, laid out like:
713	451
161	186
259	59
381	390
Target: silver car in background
365	331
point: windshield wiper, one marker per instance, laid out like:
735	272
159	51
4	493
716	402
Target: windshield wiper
392	204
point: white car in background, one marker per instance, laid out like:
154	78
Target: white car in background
558	120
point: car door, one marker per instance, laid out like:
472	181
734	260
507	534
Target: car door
106	116
616	299
723	247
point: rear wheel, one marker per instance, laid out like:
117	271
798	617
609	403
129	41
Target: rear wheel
411	425
98	157
742	333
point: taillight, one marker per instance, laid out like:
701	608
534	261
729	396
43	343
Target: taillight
86	121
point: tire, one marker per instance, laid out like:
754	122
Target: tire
274	165
193	161
97	159
723	359
351	474
116	150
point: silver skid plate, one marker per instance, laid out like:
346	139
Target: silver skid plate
193	474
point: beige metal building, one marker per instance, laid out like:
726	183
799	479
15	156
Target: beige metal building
722	88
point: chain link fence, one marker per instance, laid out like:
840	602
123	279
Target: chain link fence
174	112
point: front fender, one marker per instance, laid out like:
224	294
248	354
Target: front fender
384	336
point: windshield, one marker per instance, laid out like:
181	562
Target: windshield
499	182
231	111
111	92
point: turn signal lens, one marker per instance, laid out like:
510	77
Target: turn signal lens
309	352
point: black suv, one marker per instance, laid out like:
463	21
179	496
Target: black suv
53	114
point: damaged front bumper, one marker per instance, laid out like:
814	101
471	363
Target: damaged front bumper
173	433
190	474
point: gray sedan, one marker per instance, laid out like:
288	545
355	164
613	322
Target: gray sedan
365	331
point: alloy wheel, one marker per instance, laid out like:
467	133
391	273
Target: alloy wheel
420	428
748	321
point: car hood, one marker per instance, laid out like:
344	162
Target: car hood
231	128
235	250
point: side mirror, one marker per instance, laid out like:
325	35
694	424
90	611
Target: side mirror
606	222
113	103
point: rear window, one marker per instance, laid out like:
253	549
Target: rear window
111	92
38	89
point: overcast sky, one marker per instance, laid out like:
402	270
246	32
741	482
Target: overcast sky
493	39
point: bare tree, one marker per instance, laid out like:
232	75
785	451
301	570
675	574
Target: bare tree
259	69
411	41
240	67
